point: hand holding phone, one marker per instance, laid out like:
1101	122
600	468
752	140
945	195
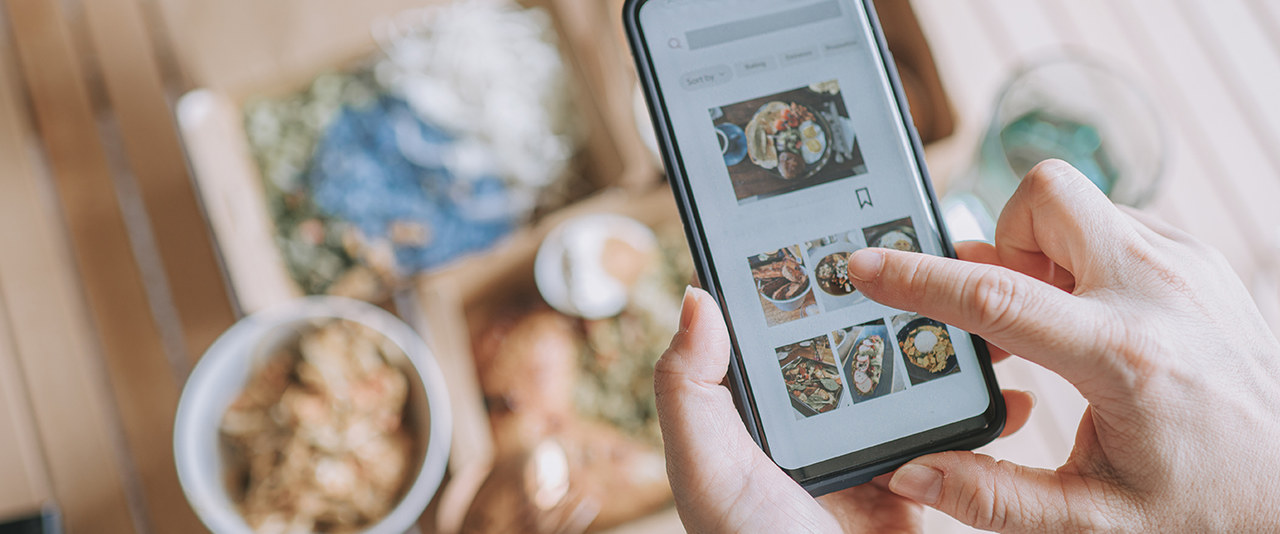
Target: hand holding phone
1082	288
789	147
722	480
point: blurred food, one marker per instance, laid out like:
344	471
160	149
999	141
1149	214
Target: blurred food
588	266
316	440
410	160
488	71
586	386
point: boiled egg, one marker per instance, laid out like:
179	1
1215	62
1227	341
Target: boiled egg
813	142
926	341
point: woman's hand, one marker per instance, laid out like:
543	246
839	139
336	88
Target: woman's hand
722	481
1181	373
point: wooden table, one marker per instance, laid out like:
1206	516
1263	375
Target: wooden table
109	288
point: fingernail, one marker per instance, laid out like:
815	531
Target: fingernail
686	308
918	483
865	265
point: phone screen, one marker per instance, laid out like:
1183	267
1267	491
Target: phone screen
794	151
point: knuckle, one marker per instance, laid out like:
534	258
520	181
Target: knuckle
996	299
668	375
1048	178
983	505
916	276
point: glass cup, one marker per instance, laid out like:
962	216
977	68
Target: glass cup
1068	108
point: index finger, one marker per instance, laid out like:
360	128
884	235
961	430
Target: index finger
1012	310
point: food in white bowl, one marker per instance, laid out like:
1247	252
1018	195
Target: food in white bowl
320	415
781	278
316	438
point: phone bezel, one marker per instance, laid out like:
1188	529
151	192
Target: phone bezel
859	466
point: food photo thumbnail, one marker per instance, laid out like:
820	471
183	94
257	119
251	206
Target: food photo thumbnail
811	376
830	258
926	346
783	284
896	235
792	140
866	356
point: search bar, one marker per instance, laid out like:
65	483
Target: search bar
742	29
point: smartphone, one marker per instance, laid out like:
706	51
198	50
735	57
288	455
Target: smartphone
788	143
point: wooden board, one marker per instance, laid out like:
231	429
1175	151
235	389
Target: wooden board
49	365
131	75
22	464
143	381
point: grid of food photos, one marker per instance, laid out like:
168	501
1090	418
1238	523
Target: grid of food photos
856	363
786	143
805	280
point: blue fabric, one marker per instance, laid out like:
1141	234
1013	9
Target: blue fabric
360	174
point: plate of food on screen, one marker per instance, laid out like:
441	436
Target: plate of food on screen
814	385
867	364
896	235
832	273
927	347
781	278
789	139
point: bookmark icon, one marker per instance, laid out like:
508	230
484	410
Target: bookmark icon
864	198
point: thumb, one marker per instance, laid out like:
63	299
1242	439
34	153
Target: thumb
995	495
700	425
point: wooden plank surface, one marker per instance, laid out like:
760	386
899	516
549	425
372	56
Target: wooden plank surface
143	381
51	367
22	466
130	72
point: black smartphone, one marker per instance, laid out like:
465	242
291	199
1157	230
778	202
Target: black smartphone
789	144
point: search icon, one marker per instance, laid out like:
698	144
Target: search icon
674	43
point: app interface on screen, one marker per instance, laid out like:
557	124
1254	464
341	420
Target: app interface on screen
796	156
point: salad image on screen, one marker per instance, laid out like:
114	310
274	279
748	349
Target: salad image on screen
793	140
811	376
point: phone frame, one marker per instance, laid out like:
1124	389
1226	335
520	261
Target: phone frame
859	466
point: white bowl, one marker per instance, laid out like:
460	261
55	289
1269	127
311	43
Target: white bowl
792	303
225	368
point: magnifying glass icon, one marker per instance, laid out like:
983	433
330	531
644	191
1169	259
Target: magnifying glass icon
674	43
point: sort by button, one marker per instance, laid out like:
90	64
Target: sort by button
709	77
